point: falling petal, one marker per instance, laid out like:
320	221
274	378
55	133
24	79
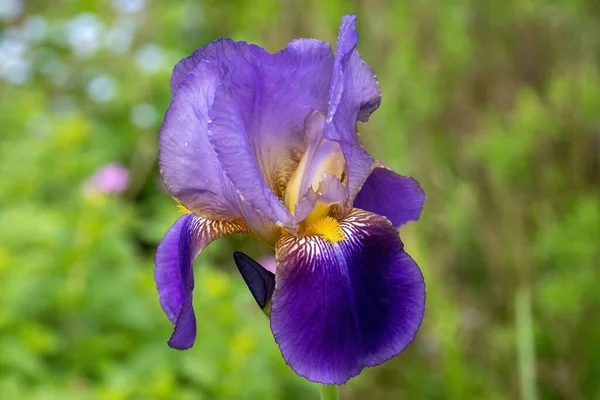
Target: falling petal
174	274
397	197
341	306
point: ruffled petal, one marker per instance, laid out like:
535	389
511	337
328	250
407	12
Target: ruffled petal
219	52
340	307
398	198
254	104
188	164
174	275
266	98
231	141
296	83
354	95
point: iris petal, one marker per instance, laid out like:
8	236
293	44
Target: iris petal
399	198
220	52
231	142
265	98
174	275
188	164
341	307
319	173
254	105
354	95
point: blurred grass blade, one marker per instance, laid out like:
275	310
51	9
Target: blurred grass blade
525	344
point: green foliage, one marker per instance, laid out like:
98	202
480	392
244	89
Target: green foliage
493	106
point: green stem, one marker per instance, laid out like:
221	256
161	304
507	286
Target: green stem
329	392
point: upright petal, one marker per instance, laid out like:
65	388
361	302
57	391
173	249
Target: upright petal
219	52
399	198
354	85
231	141
191	168
174	274
330	190
354	95
341	306
188	164
318	177
271	94
296	83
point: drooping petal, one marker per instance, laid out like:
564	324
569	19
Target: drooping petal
399	198
174	275
166	273
341	306
259	280
354	95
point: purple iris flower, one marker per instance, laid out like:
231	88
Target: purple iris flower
267	145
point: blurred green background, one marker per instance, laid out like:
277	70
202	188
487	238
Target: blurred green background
494	106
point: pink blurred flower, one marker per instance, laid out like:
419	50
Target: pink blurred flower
112	178
268	263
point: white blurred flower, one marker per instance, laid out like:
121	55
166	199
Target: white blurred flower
57	72
150	58
119	36
15	67
128	6
35	28
84	33
143	116
102	88
10	8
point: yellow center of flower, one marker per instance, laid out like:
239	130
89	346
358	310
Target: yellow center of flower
301	179
182	209
328	228
315	182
